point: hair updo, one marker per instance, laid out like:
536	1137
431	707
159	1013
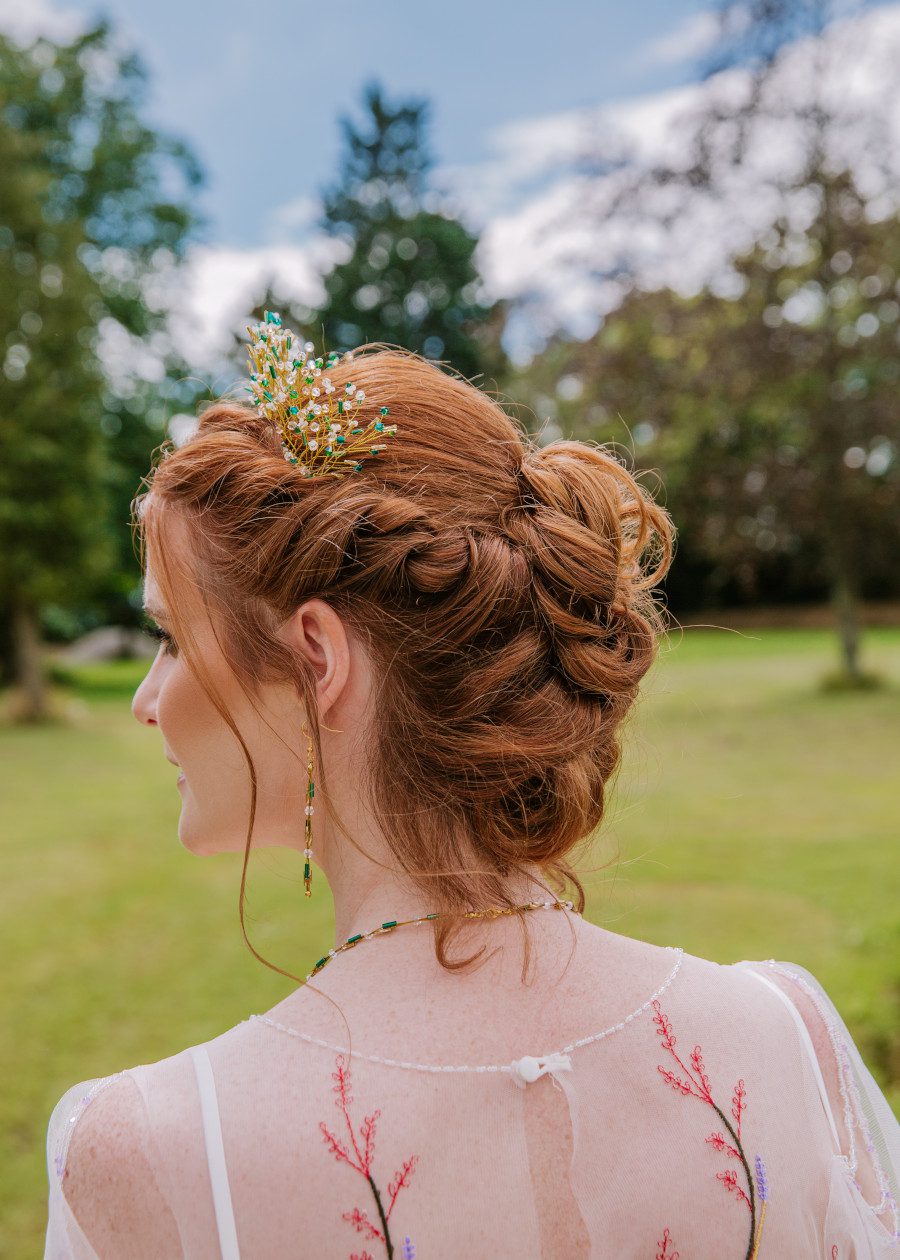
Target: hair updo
503	590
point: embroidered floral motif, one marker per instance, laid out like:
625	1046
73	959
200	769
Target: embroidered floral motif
663	1244
692	1078
361	1159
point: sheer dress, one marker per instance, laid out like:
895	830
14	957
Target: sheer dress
724	1113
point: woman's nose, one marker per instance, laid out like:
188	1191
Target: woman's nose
143	705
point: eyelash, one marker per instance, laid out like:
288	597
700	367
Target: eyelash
165	637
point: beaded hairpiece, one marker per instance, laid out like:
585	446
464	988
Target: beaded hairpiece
319	425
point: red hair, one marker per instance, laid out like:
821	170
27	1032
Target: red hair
503	590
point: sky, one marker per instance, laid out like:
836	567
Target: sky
230	76
515	90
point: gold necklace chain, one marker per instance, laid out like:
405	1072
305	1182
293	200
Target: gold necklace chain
492	912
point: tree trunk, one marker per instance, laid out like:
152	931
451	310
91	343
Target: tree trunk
846	607
29	669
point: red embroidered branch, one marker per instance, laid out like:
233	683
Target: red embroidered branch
364	1151
362	1223
664	1253
729	1180
696	1083
718	1141
738	1106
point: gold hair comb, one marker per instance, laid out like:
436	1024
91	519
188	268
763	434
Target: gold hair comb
319	425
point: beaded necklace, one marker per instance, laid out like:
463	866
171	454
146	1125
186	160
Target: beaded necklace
492	912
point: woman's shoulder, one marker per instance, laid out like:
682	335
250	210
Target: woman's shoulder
111	1143
100	1166
121	1103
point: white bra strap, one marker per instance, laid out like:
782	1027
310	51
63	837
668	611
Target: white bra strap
215	1154
808	1045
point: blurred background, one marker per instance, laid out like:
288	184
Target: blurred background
672	227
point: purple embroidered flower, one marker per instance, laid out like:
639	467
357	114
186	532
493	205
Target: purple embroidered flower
409	1250
762	1183
60	1166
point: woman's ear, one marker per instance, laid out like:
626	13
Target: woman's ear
316	630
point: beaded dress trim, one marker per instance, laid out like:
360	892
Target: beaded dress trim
484	1067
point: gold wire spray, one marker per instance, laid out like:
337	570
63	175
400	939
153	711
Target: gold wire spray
319	425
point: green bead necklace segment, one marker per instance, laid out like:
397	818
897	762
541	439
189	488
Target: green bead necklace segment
493	912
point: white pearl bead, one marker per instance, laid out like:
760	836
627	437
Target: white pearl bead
528	1068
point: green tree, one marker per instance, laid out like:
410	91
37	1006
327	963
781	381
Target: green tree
820	256
771	417
51	449
409	276
94	205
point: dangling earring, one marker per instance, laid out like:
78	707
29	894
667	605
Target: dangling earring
307	826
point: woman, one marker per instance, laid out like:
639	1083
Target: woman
406	647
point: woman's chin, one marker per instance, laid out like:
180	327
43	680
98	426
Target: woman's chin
203	841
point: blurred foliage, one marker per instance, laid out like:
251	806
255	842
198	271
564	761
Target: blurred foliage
409	276
93	222
772	414
772	418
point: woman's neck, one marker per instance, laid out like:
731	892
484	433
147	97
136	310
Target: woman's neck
361	907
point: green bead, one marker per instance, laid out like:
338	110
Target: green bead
306	870
341	439
391	923
321	962
340	406
293	410
384	411
312	789
431	916
352	939
379	426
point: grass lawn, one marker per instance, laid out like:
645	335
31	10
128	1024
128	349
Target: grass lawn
754	817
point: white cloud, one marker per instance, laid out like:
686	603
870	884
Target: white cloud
693	38
295	217
219	286
564	249
25	22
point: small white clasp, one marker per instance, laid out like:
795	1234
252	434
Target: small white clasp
528	1069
